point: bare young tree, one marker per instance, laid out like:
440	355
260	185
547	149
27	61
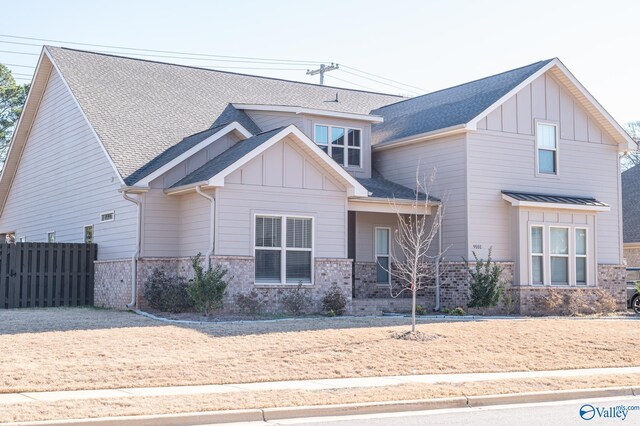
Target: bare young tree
412	264
633	157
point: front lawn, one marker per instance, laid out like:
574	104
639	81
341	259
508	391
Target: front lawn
83	348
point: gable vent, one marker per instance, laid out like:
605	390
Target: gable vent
108	216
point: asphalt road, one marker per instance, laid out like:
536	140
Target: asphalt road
547	414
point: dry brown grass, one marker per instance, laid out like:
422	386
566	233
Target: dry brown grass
66	349
210	402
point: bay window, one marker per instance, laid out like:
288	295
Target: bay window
343	144
283	249
558	255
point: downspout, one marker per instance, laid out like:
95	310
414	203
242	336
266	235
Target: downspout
136	254
437	305
212	217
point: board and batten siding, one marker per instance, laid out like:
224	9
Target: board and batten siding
64	182
502	156
283	181
448	156
306	123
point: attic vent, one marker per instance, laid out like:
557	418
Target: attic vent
108	216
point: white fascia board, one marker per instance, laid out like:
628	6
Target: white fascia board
355	188
186	188
628	145
311	111
380	205
73	96
554	206
474	121
234	126
409	140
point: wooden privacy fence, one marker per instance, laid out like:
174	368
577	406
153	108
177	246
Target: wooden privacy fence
46	274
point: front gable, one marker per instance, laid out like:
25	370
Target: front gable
284	165
546	98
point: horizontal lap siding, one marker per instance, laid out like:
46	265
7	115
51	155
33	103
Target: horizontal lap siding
160	224
502	156
195	222
448	156
64	181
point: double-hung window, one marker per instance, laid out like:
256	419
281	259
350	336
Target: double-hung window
382	255
537	255
581	256
51	237
283	249
547	148
559	253
343	144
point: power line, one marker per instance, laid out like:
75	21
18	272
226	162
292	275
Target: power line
382	82
351	82
23	66
19	53
384	78
157	51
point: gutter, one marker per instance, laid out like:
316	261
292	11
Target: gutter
212	202
458	128
136	254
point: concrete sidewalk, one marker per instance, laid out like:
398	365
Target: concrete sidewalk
318	384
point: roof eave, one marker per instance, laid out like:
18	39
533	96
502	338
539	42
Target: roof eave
311	111
409	140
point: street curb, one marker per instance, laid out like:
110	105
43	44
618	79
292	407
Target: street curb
281	413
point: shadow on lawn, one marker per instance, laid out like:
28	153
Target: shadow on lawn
42	320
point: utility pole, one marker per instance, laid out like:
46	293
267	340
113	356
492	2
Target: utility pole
323	68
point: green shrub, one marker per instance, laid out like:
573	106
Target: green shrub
484	283
334	302
167	294
249	303
296	301
458	312
420	310
208	287
445	311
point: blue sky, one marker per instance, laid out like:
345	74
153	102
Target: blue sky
426	44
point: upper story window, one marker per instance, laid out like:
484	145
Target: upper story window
343	144
547	148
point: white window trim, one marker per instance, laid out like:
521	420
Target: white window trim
84	233
283	248
570	275
555	124
54	236
531	254
375	252
571	264
584	256
346	143
111	212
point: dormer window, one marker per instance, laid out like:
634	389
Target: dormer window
343	144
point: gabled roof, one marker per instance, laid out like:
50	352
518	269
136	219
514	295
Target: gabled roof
631	205
459	108
226	159
380	187
531	199
448	107
214	172
140	108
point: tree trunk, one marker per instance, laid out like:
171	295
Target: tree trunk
414	292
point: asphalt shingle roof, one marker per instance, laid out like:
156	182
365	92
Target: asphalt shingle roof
140	108
447	107
380	187
555	199
631	205
225	159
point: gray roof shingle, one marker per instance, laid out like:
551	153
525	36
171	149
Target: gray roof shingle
448	107
555	199
380	187
140	108
225	159
631	205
